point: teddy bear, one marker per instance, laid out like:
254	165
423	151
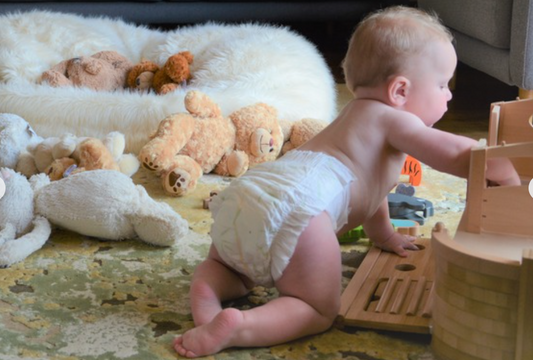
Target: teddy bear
141	76
172	75
258	138
50	155
103	71
296	133
102	203
89	154
92	154
187	145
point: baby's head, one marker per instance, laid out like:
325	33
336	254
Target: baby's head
385	41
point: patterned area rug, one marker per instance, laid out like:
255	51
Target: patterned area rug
80	298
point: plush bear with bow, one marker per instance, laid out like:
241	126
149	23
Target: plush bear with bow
187	145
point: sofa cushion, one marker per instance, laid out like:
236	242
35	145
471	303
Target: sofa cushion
485	20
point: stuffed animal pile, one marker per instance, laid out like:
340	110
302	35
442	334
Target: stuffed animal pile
26	152
102	203
103	71
187	145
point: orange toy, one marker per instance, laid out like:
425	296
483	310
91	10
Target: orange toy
412	168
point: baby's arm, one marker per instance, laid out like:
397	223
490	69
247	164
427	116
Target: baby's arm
444	151
502	172
379	229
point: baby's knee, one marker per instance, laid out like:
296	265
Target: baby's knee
200	289
329	313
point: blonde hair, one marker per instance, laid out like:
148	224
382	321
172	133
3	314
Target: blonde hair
383	42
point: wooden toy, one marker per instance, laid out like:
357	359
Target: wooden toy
483	294
207	201
389	292
406	227
511	122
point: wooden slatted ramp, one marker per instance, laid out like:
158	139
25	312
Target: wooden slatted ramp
389	292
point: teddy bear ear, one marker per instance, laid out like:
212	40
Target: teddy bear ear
92	67
187	55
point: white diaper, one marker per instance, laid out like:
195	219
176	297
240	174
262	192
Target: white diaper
260	216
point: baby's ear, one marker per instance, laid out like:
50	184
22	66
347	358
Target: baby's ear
398	90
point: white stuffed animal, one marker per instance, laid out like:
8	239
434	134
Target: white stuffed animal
100	203
21	232
16	137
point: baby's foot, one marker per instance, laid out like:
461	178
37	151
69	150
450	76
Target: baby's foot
210	338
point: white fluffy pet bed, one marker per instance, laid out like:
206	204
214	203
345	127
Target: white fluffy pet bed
237	65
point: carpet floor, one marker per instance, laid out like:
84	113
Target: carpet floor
80	298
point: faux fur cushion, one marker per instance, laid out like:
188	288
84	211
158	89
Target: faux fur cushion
236	65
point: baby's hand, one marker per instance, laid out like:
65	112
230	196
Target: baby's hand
397	243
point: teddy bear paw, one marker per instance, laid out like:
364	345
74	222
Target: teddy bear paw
177	182
150	165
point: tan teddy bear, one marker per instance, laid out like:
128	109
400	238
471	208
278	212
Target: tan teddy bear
258	139
55	155
104	71
296	133
187	145
90	154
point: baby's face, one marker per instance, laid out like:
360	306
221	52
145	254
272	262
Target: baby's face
430	75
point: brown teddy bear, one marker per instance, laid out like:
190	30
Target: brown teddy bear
187	145
296	133
148	75
103	71
141	76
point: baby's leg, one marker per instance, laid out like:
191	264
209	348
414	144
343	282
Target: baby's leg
212	283
308	304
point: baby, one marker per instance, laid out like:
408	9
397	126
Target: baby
278	224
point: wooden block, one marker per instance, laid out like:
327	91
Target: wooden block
391	293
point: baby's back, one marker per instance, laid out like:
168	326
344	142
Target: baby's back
358	138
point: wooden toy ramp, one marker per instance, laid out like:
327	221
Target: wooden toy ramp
389	292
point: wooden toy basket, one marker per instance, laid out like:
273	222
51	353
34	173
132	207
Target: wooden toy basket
483	298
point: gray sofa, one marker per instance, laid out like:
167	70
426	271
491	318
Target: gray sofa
493	36
188	11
